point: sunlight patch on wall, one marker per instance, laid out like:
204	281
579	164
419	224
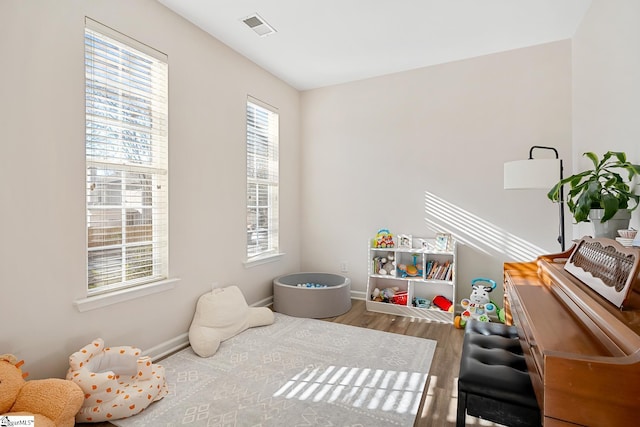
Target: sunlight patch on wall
465	227
386	390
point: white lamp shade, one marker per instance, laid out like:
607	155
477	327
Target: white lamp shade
531	174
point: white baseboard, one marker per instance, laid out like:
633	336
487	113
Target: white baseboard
166	348
182	341
263	303
361	295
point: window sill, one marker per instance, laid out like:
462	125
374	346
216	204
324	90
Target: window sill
254	262
104	300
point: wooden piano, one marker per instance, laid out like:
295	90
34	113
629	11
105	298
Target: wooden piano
578	318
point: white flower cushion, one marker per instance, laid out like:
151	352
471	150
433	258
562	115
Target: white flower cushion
117	382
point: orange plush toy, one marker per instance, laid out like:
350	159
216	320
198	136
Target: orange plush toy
53	402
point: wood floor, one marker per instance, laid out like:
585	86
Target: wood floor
438	407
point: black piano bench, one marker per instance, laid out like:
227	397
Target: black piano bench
494	383
474	327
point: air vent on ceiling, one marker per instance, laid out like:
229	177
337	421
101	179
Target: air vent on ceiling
259	25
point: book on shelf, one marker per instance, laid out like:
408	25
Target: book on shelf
431	268
439	271
449	275
376	265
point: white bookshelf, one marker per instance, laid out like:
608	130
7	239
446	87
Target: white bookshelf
423	285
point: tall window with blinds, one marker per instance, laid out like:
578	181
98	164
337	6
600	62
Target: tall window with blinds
126	161
262	179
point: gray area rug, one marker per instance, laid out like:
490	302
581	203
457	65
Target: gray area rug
296	372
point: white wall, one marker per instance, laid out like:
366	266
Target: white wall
42	224
376	150
606	88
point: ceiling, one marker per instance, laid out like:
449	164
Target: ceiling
325	42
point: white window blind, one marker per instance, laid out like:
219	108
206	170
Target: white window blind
126	159
262	179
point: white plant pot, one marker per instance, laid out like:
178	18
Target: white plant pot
620	221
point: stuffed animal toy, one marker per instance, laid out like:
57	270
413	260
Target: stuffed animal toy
479	305
388	266
220	315
385	265
53	402
384	295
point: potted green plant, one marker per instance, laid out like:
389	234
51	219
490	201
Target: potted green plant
602	193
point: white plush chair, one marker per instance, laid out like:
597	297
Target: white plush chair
221	314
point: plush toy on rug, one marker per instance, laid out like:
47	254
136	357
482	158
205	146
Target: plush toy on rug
117	382
220	315
53	402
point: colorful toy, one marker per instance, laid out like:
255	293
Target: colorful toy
421	302
52	402
388	293
385	294
443	303
383	239
479	305
311	285
412	270
400	298
117	382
